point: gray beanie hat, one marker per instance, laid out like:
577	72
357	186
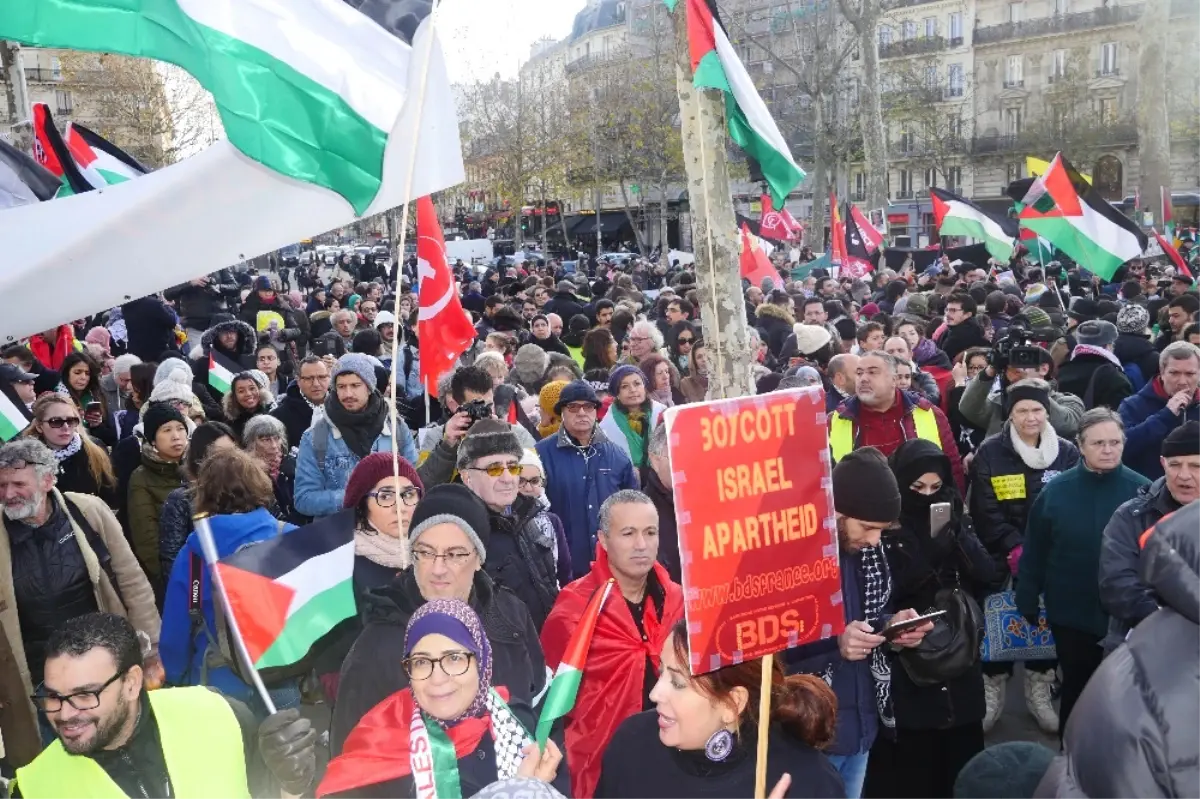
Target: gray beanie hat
356	363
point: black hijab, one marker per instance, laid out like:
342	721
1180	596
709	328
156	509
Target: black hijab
913	459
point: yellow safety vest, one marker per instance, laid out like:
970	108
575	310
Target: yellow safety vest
841	431
202	747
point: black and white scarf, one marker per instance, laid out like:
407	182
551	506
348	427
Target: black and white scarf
72	447
877	589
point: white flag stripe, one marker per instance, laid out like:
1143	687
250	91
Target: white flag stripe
317	575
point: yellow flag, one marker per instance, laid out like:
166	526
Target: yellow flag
1036	167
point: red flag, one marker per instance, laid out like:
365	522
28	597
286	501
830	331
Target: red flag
837	234
443	327
756	266
794	227
871	236
1169	248
772	225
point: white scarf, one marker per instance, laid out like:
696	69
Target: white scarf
381	548
1041	456
73	446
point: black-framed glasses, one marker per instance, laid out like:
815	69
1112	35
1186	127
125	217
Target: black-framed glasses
386	497
455	557
497	469
532	482
59	422
453	664
21	463
80	700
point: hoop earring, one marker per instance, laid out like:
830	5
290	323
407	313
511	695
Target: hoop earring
719	745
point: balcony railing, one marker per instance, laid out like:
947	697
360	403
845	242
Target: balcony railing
955	41
594	60
917	46
952	92
1111	134
40	75
904	195
1108	73
888	5
911	94
1018	83
1060	23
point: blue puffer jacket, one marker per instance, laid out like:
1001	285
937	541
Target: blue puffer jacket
319	488
183	660
857	711
577	486
1147	422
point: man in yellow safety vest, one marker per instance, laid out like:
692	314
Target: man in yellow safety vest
117	739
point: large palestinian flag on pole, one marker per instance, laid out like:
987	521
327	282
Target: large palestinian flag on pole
956	216
715	65
288	592
564	688
1063	208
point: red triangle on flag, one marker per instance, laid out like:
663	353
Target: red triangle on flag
260	606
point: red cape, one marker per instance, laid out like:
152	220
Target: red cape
376	751
611	689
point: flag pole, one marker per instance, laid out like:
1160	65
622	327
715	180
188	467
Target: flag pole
209	546
764	723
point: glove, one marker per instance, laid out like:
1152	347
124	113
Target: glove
1014	558
286	743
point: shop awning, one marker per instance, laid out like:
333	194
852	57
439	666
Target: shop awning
609	221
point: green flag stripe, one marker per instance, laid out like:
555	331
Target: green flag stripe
560	699
271	112
308	624
781	174
710	74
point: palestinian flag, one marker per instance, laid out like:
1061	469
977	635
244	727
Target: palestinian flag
307	89
14	418
1064	208
102	162
715	65
221	372
1168	247
956	216
288	592
564	688
1164	194
22	179
51	152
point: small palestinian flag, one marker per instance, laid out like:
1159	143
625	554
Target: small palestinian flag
288	592
221	371
13	417
101	162
564	688
1164	195
1168	248
957	216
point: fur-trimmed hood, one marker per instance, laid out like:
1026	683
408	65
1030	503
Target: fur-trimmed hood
770	310
247	338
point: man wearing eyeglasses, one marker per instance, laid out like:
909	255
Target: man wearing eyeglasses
116	738
65	555
304	397
583	468
522	555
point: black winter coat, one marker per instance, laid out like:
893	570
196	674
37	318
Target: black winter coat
150	326
1110	387
372	670
295	413
198	304
1133	731
75	475
1000	506
174	527
242	354
564	304
775	324
962	337
520	556
1134	349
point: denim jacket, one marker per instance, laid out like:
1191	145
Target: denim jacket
319	487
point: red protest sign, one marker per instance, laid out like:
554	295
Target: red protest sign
757	538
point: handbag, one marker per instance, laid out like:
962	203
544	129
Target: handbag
1008	636
951	648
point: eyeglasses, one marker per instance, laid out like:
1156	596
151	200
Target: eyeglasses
455	557
532	482
579	407
497	469
20	463
80	700
59	422
639	338
453	664
386	497
683	341
315	379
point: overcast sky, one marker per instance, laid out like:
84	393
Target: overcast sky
482	37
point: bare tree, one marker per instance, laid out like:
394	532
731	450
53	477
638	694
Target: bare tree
933	134
863	16
1153	124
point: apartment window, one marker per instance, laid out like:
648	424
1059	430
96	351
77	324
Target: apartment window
55	68
954	126
1059	116
64	101
906	183
931	76
954	178
1107	108
930	178
907	140
909	30
860	187
1058	64
885	35
1062	7
956	28
931	26
956	80
1014	69
1012	122
1108	58
1016	11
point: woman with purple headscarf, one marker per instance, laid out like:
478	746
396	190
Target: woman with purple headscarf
449	733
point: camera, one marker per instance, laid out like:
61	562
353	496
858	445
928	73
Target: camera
476	409
1016	348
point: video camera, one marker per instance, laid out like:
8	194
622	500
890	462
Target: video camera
1017	347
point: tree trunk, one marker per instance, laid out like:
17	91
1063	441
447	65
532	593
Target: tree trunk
18	96
874	141
1154	128
723	312
664	245
817	179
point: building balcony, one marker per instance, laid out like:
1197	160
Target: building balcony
594	60
1018	83
1058	24
904	194
922	95
1112	134
889	5
40	75
907	47
952	92
1108	73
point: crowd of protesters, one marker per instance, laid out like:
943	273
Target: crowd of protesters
1056	415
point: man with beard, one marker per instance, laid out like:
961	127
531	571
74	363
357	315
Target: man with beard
854	664
67	556
115	737
354	425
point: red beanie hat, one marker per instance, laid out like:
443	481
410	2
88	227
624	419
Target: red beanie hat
370	470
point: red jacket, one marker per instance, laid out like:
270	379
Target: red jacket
611	689
64	345
887	431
